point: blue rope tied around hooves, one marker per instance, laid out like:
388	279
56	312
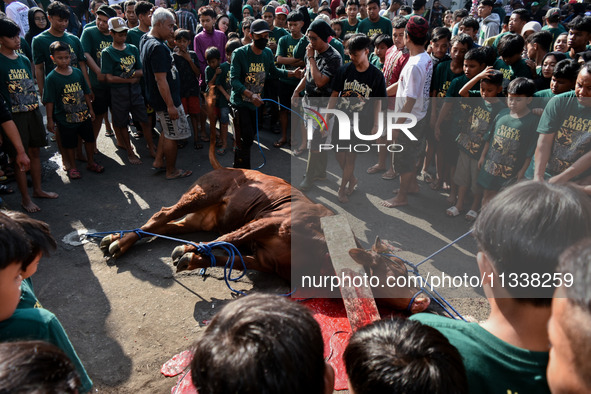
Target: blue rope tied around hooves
205	249
432	293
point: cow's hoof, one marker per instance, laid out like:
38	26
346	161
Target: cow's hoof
106	242
420	304
177	253
184	261
114	249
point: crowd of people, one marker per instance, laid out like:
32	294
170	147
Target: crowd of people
499	94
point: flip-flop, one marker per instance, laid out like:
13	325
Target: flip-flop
375	169
299	152
74	174
220	151
181	174
204	138
471	215
95	167
388	176
109	134
279	143
158	169
452	211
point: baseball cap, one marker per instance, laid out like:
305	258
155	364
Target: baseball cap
282	9
553	13
535	4
107	11
259	26
417	26
269	8
117	24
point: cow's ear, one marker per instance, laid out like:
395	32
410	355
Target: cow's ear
361	256
379	246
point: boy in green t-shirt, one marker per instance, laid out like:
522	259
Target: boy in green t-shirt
520	234
510	62
510	142
121	65
217	78
17	86
287	60
14	246
67	101
485	106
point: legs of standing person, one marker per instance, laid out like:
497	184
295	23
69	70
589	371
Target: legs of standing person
247	121
346	161
121	98
173	131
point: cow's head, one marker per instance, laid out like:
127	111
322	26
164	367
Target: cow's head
388	268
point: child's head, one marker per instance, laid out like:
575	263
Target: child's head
359	45
474	62
510	48
517	234
272	343
381	44
60	53
182	38
337	26
539	42
519	94
59	16
36	367
213	56
553	15
469	26
231	46
405	10
341	12
40	239
564	76
246	22
569	328
491	86
398	28
207	18
295	22
448	19
460	45
403	356
118	29
549	63
14	251
560	45
281	13
440	38
9	34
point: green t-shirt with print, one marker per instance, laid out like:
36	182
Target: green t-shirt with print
544	93
461	112
348	28
66	92
381	26
223	80
492	366
512	140
17	85
516	70
41	54
25	49
442	77
471	140
570	122
276	34
120	63
93	42
285	48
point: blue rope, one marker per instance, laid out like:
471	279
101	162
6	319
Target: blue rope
433	294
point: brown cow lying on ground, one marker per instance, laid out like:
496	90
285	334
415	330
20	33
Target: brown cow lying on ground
252	210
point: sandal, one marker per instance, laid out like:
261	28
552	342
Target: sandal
452	211
109	133
279	143
299	151
204	138
137	134
74	174
389	175
95	167
221	151
471	215
375	169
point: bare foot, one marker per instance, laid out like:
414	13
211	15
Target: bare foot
133	159
343	196
375	169
394	202
414	190
30	206
44	194
451	199
352	187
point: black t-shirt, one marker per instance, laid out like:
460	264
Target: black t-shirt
157	58
189	81
328	63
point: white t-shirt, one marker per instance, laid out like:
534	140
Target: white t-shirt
415	82
19	13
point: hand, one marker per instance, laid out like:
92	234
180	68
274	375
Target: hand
309	50
298	73
559	179
218	71
91	95
51	126
295	101
173	113
101	77
92	115
480	163
485	73
23	162
532	65
256	100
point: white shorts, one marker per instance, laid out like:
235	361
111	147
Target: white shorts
178	129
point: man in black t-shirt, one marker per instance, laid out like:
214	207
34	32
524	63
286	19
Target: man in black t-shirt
163	91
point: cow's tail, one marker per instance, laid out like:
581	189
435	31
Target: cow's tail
213	160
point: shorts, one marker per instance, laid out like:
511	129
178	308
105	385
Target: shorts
467	173
449	148
191	105
69	132
406	160
223	114
285	94
31	129
102	100
127	98
178	129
